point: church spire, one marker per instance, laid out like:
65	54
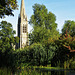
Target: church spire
22	27
22	11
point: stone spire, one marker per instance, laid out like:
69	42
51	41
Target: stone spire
22	11
22	27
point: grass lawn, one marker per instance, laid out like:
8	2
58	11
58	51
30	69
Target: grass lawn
47	68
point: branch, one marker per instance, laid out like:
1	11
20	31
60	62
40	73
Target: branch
69	48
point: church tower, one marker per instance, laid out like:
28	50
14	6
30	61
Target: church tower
22	27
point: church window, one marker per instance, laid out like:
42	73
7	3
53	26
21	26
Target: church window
24	29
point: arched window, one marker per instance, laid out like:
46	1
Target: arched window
24	28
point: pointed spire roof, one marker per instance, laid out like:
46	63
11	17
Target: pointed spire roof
22	10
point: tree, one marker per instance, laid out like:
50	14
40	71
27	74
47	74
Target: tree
7	36
44	26
65	52
7	7
69	27
44	31
39	34
6	48
37	54
42	17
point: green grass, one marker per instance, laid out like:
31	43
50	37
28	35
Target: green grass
47	68
5	71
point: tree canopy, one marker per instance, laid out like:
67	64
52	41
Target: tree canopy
7	7
69	27
44	26
7	36
41	17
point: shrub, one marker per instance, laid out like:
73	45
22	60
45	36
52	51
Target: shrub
72	65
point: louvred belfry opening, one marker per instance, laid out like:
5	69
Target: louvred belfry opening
24	28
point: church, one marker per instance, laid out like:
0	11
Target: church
22	27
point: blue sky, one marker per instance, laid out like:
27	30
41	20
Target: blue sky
63	10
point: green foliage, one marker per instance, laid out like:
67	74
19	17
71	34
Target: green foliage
7	7
44	26
42	35
42	17
5	71
39	34
61	53
69	27
7	36
7	55
38	18
66	45
72	65
44	31
38	54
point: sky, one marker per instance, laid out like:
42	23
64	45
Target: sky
63	10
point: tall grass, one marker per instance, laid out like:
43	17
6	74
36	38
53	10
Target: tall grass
5	71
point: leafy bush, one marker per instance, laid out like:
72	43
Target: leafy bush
72	65
37	54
